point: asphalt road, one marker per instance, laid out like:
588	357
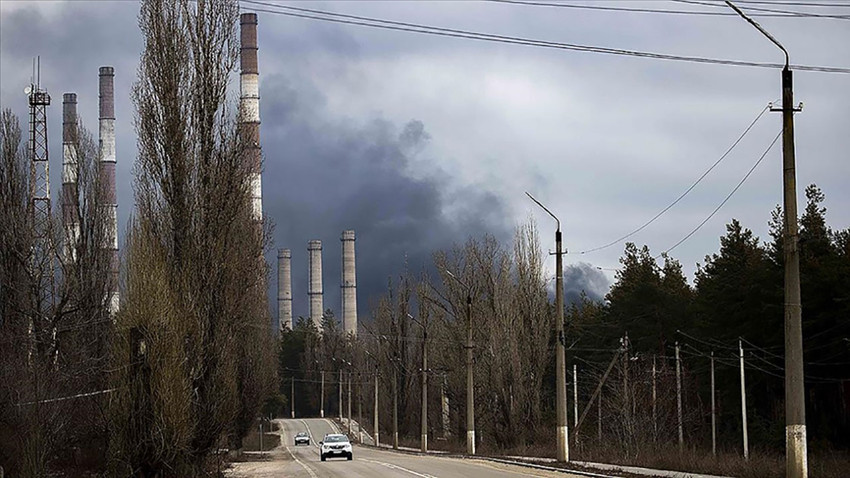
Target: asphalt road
303	461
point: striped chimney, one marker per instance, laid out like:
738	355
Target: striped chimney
109	206
348	285
70	199
249	108
314	249
284	289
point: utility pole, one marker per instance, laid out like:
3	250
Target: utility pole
349	404
470	380
395	408
340	396
654	398
322	399
444	401
292	396
563	443
575	397
598	418
743	402
679	397
423	418
626	406
795	405
375	412
360	407
713	411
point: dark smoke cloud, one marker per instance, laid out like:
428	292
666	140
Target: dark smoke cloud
584	277
324	174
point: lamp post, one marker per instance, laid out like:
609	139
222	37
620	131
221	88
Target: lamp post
563	444
424	412
795	404
470	382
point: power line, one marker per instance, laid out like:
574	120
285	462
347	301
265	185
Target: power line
618	240
770	12
788	13
740	183
470	35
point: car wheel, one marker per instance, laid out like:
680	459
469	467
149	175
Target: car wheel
350	456
323	457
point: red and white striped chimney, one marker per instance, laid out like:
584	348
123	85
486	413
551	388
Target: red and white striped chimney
109	206
249	108
70	200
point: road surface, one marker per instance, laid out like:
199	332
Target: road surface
303	461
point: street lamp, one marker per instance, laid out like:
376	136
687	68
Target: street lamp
424	412
795	398
470	383
563	450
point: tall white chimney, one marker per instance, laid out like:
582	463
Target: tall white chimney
249	107
348	284
70	198
314	249
284	289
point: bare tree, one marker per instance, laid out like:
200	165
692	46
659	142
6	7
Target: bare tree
199	337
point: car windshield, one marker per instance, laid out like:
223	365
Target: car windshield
302	434
336	439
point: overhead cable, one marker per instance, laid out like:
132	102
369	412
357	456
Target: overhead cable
660	213
470	35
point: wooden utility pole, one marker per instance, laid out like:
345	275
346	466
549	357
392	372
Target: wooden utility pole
563	444
796	447
743	402
713	411
679	398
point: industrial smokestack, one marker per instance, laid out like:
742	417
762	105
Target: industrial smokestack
284	289
314	249
249	108
109	204
70	200
348	284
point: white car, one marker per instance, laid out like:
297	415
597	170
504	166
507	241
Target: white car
302	437
335	445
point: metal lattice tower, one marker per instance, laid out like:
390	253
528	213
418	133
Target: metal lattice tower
39	198
41	254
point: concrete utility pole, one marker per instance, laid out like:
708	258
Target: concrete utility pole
575	396
654	398
424	411
292	396
359	385
349	404
713	411
375	412
563	444
444	401
743	402
322	399
395	408
626	406
796	452
340	396
470	381
679	397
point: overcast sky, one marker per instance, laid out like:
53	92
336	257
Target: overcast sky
417	142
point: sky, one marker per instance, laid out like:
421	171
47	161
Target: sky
418	142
